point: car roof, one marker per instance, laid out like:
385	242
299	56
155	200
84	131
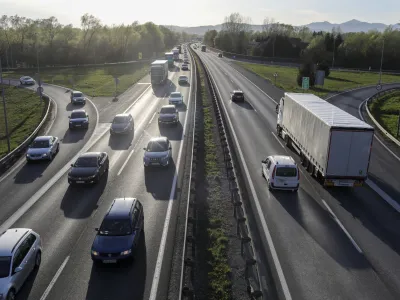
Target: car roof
176	93
237	91
121	207
76	92
182	76
43	138
122	115
79	110
11	237
26	77
90	154
158	139
283	160
168	106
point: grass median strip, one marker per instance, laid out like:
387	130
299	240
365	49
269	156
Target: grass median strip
93	81
24	113
336	82
386	110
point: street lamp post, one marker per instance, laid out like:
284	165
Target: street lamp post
4	107
333	58
380	71
38	69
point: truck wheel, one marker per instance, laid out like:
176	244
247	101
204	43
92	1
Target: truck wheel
287	141
278	130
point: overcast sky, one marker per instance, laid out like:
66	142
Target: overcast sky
206	12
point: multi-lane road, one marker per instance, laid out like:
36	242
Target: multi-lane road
322	244
38	196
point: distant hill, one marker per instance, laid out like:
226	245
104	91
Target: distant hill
350	26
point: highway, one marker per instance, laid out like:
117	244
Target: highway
329	244
66	216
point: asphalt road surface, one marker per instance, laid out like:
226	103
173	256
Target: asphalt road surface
66	216
329	244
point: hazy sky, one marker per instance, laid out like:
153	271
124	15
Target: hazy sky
206	12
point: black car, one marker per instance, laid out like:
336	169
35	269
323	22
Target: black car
237	96
122	124
78	119
219	54
119	234
88	168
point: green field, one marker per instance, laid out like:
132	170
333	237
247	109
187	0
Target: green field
24	112
336	82
92	81
386	110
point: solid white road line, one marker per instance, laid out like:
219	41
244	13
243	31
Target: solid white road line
130	154
264	225
342	227
53	281
143	83
152	118
383	195
161	250
278	140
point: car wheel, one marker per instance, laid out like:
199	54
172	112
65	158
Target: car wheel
11	295
97	178
262	173
50	156
269	186
38	259
58	148
295	190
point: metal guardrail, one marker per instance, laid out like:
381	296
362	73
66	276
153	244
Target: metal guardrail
10	158
383	130
248	252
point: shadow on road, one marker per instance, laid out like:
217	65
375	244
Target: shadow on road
164	90
80	201
28	285
31	171
121	142
73	136
244	104
71	107
120	281
158	180
172	132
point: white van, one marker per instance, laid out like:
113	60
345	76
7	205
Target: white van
281	173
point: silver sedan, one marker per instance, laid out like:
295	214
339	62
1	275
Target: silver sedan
43	148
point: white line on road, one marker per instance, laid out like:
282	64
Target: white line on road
53	281
130	154
383	195
278	140
143	83
161	250
152	118
342	227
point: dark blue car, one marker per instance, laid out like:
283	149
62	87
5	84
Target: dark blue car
119	233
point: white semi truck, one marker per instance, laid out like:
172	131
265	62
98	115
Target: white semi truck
159	71
333	145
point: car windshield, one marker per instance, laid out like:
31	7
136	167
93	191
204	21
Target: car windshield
182	78
157	146
5	266
78	115
86	162
286	172
238	94
40	144
77	94
167	110
120	120
175	95
115	227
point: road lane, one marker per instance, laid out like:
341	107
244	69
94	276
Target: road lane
317	258
66	216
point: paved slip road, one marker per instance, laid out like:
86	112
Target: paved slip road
310	230
66	216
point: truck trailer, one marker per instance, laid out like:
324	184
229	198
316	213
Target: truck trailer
170	57
203	48
159	71
333	145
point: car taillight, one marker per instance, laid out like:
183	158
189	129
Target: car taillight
273	173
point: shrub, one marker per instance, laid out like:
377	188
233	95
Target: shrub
306	70
323	66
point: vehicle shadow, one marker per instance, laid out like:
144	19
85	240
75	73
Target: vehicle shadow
187	84
175	69
31	171
120	281
327	234
164	90
71	107
182	107
244	104
172	132
121	142
73	136
80	201
26	289
158	181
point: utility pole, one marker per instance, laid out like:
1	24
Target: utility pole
380	71
333	58
4	107
38	69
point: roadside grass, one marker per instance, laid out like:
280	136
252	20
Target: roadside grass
219	282
92	81
386	111
24	113
336	82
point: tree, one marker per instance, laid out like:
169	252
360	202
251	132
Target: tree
306	70
209	37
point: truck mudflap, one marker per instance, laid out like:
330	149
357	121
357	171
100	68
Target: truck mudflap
343	182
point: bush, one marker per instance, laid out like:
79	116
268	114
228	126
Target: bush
306	70
323	66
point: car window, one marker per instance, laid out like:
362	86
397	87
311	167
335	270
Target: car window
40	144
157	146
115	227
77	94
175	95
120	120
286	172
86	162
5	262
30	240
168	110
135	216
20	254
78	115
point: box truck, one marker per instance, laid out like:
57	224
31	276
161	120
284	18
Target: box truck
203	48
175	51
159	71
333	145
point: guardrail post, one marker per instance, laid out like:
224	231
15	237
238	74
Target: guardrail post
236	204
249	263
244	240
239	221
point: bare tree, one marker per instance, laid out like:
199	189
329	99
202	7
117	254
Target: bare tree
235	23
90	25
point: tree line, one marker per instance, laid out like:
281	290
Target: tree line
24	41
277	41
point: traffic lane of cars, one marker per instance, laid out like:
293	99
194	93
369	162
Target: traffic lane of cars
319	227
32	176
65	217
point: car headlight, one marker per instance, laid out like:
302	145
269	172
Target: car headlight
126	252
166	157
95	253
44	154
86	121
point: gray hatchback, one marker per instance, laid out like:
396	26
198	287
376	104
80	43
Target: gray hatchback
20	253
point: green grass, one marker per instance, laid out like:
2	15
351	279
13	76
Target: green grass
24	113
385	110
219	282
336	82
93	81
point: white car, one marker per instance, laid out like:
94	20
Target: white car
183	79
281	173
43	148
176	98
26	80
